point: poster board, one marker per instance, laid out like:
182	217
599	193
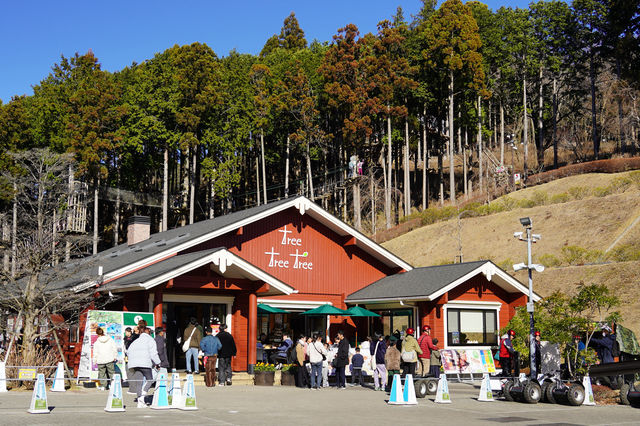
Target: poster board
113	323
467	361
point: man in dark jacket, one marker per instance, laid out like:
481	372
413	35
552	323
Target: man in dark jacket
379	349
281	356
604	345
161	343
225	353
341	360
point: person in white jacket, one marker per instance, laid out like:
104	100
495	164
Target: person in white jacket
105	354
317	353
143	356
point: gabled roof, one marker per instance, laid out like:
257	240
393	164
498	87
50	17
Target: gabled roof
125	259
220	260
429	283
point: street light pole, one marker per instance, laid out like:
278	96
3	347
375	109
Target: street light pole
527	223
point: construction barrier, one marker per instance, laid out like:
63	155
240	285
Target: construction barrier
3	377
160	397
588	391
396	396
39	403
442	395
486	394
409	394
115	402
189	400
58	381
175	392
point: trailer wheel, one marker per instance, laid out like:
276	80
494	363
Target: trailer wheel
624	394
421	388
576	394
506	391
549	394
531	393
543	390
432	386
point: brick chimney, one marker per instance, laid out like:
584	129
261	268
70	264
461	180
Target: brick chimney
138	229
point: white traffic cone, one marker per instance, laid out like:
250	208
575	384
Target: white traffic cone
39	403
3	377
114	401
189	399
485	389
395	396
160	397
409	394
175	395
442	395
588	391
58	382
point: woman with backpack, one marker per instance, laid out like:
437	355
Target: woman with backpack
410	351
317	354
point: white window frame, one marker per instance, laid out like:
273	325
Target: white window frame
469	304
192	298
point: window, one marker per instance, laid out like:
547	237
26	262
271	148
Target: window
391	320
469	327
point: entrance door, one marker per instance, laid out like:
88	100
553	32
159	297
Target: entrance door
178	316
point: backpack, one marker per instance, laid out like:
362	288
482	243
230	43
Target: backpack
291	354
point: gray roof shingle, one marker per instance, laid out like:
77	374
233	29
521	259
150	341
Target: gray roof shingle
415	283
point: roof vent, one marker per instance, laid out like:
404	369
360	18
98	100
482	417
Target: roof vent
138	229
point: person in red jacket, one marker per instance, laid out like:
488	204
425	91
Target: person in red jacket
426	344
507	354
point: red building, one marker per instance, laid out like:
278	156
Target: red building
289	254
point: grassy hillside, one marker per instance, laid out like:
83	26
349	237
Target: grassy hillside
579	218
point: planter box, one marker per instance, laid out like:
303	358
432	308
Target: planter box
288	379
264	378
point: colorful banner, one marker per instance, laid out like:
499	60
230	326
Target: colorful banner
467	361
113	323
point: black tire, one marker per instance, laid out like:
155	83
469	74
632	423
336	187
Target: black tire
421	387
576	394
531	393
432	387
506	391
624	394
549	394
543	391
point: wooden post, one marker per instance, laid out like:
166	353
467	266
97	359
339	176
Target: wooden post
253	332
157	306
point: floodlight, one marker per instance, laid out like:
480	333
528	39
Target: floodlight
525	221
538	268
517	234
519	266
536	236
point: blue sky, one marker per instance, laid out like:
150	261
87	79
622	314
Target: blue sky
35	33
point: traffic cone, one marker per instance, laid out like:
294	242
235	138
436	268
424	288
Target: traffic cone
58	382
485	389
114	401
189	400
409	394
175	392
39	403
588	391
395	396
3	377
160	397
442	395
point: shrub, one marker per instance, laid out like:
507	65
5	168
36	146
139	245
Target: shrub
625	253
509	203
559	198
578	192
540	198
261	366
575	255
526	203
506	264
603	191
549	260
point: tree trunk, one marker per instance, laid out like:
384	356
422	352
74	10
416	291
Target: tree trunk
212	198
258	179
6	235
526	127
480	156
286	171
594	122
165	189
264	170
387	189
67	246
95	216
308	155
407	177
452	181
555	124
441	177
373	205
465	171
540	132
192	184
501	134
622	136
357	208
425	162
185	170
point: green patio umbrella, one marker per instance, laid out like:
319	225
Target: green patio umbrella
357	311
326	310
263	308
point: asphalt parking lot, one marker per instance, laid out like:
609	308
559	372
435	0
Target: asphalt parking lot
251	405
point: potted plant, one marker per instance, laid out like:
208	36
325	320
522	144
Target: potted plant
264	374
288	376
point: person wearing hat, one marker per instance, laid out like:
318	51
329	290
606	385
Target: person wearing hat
226	352
604	345
538	353
410	351
392	359
507	353
426	344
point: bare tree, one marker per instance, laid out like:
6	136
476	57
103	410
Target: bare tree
42	286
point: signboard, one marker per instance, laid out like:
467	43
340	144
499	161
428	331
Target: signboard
516	178
280	260
113	323
26	373
467	361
